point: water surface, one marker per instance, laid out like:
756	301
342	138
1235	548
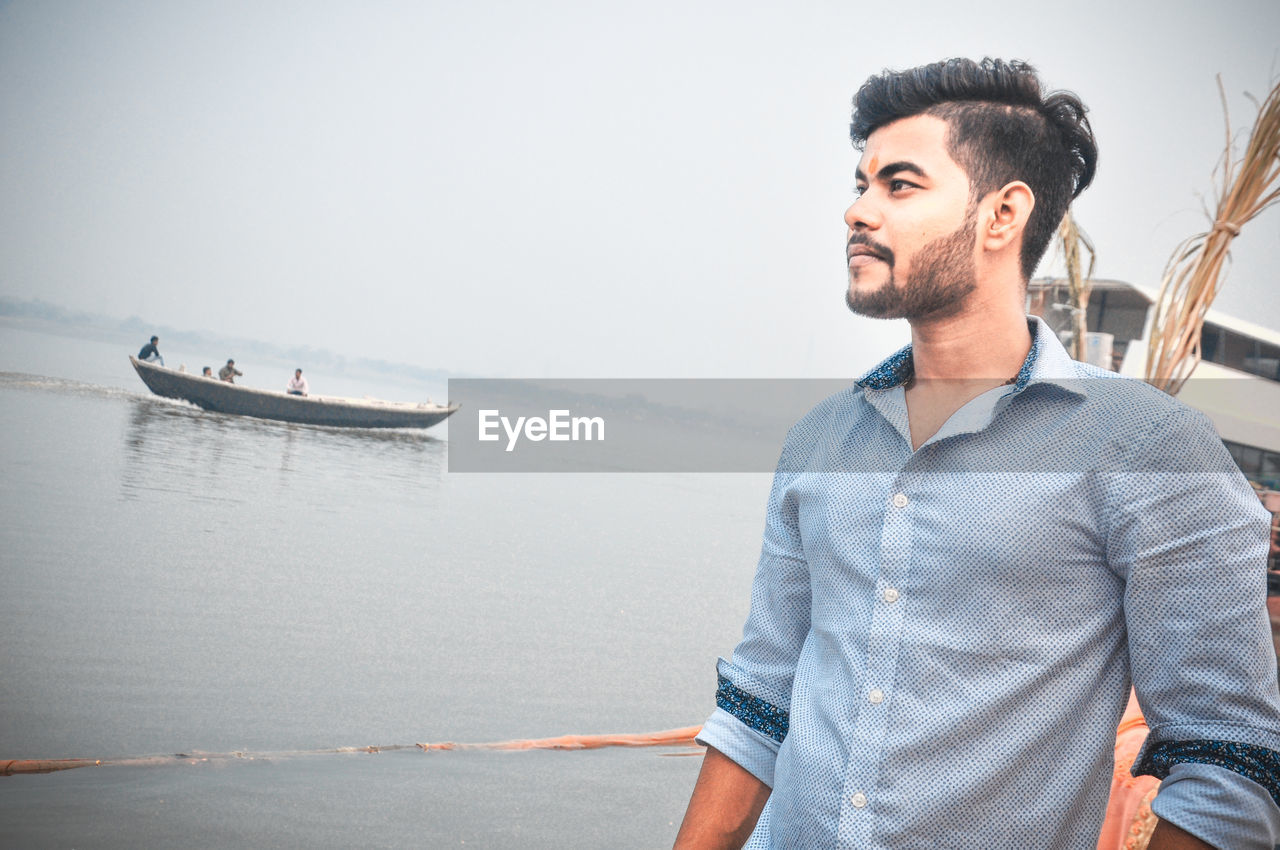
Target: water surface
175	581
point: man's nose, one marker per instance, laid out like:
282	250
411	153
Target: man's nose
861	215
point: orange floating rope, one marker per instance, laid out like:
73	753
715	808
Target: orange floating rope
12	766
671	737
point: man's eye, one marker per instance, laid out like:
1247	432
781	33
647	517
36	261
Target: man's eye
899	185
858	190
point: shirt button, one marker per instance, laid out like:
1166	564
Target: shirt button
859	800
899	500
876	696
890	594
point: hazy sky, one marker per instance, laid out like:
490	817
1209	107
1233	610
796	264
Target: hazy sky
559	188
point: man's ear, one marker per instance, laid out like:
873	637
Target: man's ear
1005	215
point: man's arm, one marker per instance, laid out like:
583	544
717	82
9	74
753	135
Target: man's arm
725	806
1169	837
1189	537
753	691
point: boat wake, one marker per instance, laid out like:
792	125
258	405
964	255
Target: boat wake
66	386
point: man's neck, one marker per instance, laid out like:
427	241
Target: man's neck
958	358
986	341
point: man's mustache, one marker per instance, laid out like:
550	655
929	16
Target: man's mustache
881	251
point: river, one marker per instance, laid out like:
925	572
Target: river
256	596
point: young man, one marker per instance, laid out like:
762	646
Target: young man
229	373
971	554
150	352
297	384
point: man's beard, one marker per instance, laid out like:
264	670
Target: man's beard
941	278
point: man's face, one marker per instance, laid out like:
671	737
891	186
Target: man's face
912	231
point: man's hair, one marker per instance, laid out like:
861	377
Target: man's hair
999	129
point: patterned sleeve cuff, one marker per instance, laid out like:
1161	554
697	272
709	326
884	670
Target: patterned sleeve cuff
752	751
763	717
1258	764
1218	806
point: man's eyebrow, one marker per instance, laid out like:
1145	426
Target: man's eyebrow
891	169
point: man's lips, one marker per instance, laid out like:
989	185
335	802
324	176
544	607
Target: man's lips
862	255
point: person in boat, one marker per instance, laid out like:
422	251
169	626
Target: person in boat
229	372
297	384
150	353
970	553
207	372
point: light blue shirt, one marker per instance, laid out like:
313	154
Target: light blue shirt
941	642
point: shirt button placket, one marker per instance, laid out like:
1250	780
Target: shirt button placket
869	737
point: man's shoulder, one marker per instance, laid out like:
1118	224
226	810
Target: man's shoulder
834	414
1129	424
1130	401
837	405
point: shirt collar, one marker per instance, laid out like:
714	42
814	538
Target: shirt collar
1047	362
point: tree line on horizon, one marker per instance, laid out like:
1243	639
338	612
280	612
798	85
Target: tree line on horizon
111	329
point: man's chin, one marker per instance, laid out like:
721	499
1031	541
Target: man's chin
874	304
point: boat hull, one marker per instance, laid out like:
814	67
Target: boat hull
223	397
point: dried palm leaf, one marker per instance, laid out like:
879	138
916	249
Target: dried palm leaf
1079	284
1194	273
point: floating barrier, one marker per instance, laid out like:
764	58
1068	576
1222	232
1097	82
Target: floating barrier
667	738
8	768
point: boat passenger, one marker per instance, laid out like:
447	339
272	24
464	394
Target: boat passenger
297	384
149	352
229	372
207	373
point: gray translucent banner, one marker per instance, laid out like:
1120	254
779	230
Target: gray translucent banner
740	425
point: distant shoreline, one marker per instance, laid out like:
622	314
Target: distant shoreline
42	317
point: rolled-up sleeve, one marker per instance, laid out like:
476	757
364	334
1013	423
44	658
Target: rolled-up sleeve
1190	539
753	693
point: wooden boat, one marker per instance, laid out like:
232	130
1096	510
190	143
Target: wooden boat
223	397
